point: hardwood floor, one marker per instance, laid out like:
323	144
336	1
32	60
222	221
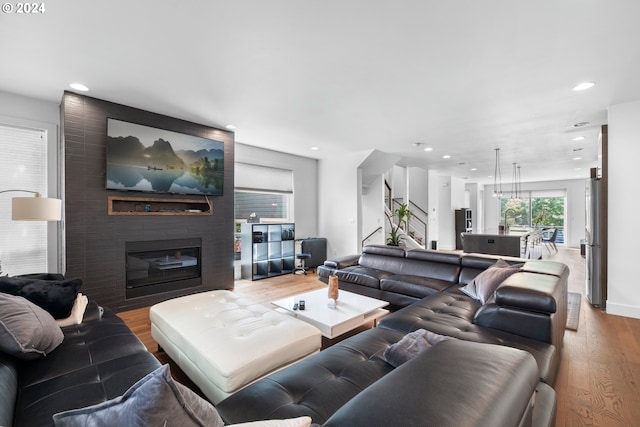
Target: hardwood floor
598	382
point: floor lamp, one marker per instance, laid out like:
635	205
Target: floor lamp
34	208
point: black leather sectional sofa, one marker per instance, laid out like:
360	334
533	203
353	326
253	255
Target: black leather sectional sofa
98	360
498	372
455	382
531	303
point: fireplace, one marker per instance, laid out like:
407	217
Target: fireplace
158	266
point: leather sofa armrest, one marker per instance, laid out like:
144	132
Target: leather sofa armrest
530	291
342	262
532	305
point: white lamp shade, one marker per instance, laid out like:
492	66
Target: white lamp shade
36	209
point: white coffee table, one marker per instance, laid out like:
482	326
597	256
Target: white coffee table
352	310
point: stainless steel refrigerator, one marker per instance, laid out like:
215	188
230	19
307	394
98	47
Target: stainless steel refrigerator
593	273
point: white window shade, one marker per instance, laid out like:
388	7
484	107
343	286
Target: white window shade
23	166
263	178
548	193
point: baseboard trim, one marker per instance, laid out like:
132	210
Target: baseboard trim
623	310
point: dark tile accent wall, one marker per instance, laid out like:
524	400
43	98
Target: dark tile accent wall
95	241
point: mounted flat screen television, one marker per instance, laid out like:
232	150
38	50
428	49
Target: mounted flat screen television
143	158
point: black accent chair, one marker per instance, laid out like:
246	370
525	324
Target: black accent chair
549	237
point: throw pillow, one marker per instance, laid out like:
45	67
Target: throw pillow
26	330
411	345
155	400
77	312
291	422
55	296
483	286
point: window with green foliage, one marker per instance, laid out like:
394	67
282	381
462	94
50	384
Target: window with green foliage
535	209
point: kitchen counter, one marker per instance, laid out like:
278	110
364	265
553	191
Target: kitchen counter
514	243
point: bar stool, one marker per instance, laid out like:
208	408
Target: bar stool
302	266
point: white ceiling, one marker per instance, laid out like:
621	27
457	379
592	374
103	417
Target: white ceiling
463	77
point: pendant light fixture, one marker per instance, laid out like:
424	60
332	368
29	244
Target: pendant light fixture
516	184
497	176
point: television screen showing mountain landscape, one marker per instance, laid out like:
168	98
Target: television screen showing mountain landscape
142	158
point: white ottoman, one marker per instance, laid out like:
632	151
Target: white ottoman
224	342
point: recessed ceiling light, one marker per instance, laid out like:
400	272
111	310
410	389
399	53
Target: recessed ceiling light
578	138
577	158
79	86
580	124
230	127
474	169
428	149
446	156
584	86
315	148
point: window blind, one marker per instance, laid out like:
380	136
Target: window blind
23	166
263	178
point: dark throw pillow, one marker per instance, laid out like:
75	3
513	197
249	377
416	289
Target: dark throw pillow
155	400
483	286
26	331
55	296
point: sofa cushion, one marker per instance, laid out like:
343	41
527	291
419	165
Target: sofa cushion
381	257
154	400
483	286
55	296
26	330
317	386
362	276
415	286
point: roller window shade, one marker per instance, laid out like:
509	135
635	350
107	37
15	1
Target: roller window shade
23	166
548	193
263	178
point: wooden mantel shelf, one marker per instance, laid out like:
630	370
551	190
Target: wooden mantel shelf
130	206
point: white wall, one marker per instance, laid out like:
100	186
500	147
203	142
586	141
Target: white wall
575	208
20	110
305	183
475	203
418	187
446	224
339	203
433	192
623	297
373	211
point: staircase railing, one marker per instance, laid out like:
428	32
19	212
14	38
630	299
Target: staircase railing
373	233
417	226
